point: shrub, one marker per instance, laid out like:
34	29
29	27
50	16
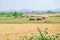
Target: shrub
43	36
8	15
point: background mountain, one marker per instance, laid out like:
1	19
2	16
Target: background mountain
35	11
56	10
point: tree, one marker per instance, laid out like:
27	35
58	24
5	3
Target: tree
15	14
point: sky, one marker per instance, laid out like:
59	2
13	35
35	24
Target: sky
29	4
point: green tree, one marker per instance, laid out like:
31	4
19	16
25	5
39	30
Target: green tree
15	14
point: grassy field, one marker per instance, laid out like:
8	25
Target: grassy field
19	20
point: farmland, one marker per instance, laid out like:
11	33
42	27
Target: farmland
13	31
29	19
14	26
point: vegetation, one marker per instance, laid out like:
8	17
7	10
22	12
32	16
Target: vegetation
42	36
18	17
15	14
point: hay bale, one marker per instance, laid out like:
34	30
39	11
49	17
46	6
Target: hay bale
44	17
39	18
32	18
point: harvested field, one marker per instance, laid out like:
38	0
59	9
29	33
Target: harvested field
14	31
28	28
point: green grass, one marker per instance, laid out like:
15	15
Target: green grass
8	18
55	19
18	20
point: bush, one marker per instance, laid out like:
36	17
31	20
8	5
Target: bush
8	15
42	36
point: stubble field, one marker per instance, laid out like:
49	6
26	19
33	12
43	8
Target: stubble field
28	28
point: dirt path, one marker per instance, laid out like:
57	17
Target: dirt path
28	28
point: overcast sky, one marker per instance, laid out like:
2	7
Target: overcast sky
29	4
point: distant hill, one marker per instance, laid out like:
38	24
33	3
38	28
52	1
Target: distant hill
56	10
35	11
40	11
